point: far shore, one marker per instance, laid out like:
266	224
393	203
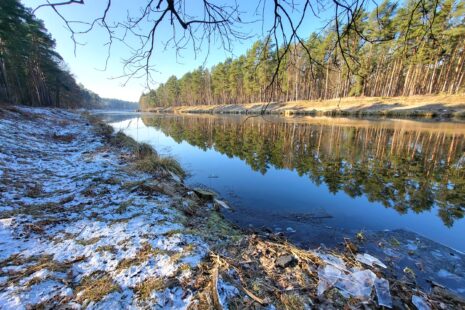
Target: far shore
443	106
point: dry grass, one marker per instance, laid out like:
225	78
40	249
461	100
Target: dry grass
107	248
100	127
35	191
156	164
88	241
34	281
146	158
184	267
140	150
173	232
292	301
144	254
250	265
96	286
63	138
34	264
146	287
23	114
112	181
46	208
124	206
89	191
132	185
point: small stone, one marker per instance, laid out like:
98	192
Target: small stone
285	261
204	194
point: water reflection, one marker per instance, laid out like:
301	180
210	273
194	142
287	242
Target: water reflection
404	165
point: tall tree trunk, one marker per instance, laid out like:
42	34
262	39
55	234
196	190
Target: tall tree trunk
431	83
326	83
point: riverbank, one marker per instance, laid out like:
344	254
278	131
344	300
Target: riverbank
444	106
90	218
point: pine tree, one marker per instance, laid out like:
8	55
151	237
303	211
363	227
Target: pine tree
391	51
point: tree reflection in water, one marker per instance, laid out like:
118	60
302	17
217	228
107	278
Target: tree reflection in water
402	164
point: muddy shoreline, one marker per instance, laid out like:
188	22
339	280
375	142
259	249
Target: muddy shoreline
90	219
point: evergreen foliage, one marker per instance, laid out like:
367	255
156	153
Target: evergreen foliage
399	51
31	71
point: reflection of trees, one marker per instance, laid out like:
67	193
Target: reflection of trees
404	169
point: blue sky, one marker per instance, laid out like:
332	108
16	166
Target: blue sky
89	60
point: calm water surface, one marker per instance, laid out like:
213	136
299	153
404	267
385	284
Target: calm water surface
317	179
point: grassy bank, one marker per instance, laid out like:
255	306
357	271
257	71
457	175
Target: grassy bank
444	106
85	221
145	158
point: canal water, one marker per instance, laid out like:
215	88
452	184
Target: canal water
319	179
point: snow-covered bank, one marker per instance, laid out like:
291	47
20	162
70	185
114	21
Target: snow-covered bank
80	227
72	220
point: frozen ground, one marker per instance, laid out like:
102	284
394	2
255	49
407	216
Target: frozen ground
73	230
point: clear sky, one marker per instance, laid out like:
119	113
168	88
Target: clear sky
88	62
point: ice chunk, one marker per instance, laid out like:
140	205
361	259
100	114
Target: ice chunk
369	260
391	253
328	276
358	284
420	303
382	292
3	280
333	260
411	246
175	177
222	203
446	274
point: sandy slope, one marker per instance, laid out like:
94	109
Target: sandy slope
437	105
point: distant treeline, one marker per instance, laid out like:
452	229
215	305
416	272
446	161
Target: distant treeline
117	104
395	51
31	71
